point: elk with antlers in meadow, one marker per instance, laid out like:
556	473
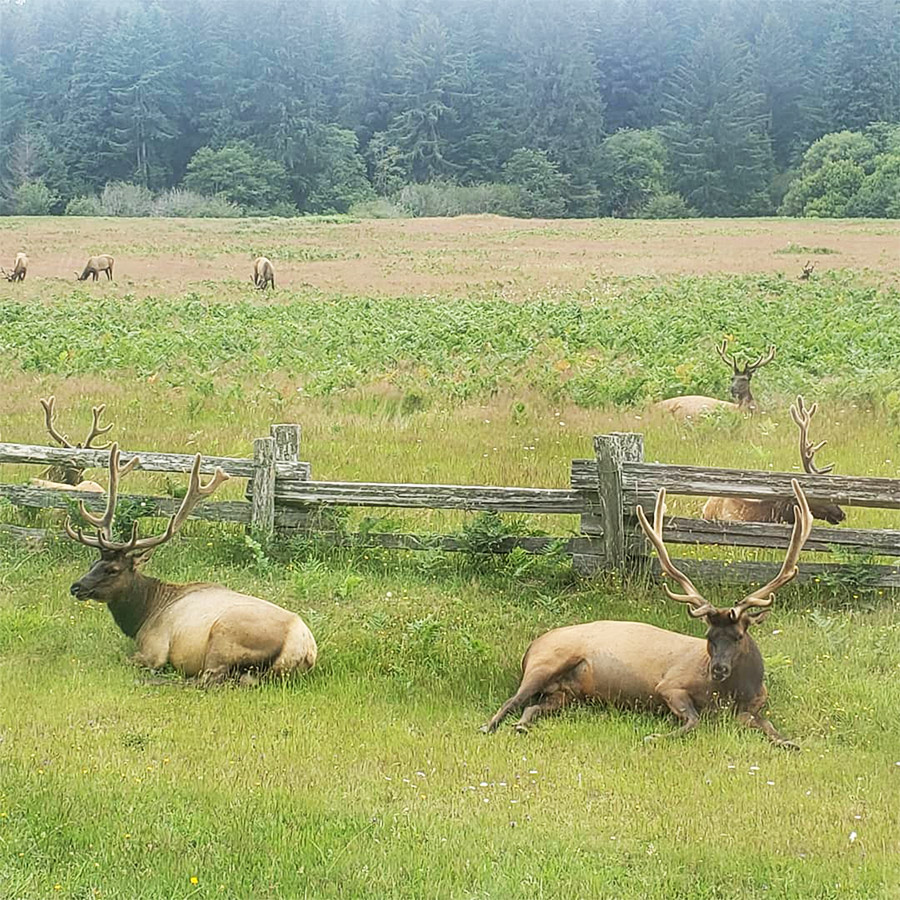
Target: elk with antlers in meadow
632	664
692	405
743	509
20	269
202	630
71	477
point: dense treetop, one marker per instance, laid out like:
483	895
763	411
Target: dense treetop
584	107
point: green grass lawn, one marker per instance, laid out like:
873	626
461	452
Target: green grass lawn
369	777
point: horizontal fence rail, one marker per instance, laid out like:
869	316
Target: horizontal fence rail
433	496
604	491
150	461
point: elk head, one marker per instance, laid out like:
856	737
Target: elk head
72	474
741	374
802	416
112	577
727	638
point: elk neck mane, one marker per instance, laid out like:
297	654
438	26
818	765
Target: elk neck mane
149	597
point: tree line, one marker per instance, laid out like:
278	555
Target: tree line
528	107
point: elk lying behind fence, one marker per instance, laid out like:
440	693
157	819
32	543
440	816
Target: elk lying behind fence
281	496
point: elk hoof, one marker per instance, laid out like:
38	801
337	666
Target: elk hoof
650	738
487	729
788	745
248	679
521	729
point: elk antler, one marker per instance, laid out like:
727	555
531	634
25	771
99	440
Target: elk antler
802	417
729	361
699	606
49	412
103	524
195	492
103	541
803	521
762	360
96	429
749	368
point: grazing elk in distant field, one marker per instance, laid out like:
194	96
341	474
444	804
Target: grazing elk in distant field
97	264
71	478
693	405
263	273
20	269
631	664
741	509
203	630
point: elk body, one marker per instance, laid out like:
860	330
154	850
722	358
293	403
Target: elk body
203	630
20	269
692	405
70	477
742	509
97	264
632	664
263	273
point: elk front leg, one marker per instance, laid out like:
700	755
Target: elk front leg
682	705
750	716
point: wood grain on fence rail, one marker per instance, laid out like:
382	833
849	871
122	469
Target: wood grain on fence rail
47	498
433	496
25	454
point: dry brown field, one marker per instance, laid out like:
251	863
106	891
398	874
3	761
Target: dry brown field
447	257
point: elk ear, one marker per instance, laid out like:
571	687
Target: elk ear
141	557
759	617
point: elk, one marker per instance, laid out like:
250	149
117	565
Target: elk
263	273
692	405
807	270
632	664
97	264
69	477
742	509
203	630
20	269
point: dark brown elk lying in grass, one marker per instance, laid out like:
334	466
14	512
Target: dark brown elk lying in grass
693	405
97	264
742	509
203	630
263	273
20	269
807	270
62	477
632	664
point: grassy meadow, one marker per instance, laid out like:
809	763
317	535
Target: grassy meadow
477	350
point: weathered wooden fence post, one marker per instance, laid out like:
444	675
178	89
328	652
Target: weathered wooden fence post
287	449
607	526
262	509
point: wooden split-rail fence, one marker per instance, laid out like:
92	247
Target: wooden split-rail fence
281	496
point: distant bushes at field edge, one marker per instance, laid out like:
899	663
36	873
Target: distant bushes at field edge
120	198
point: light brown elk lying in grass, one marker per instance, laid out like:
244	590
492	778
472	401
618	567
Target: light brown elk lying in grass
742	509
20	269
97	264
632	664
693	405
203	630
263	273
71	478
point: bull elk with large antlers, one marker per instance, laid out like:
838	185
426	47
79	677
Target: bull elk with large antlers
693	405
742	509
632	664
68	477
203	630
